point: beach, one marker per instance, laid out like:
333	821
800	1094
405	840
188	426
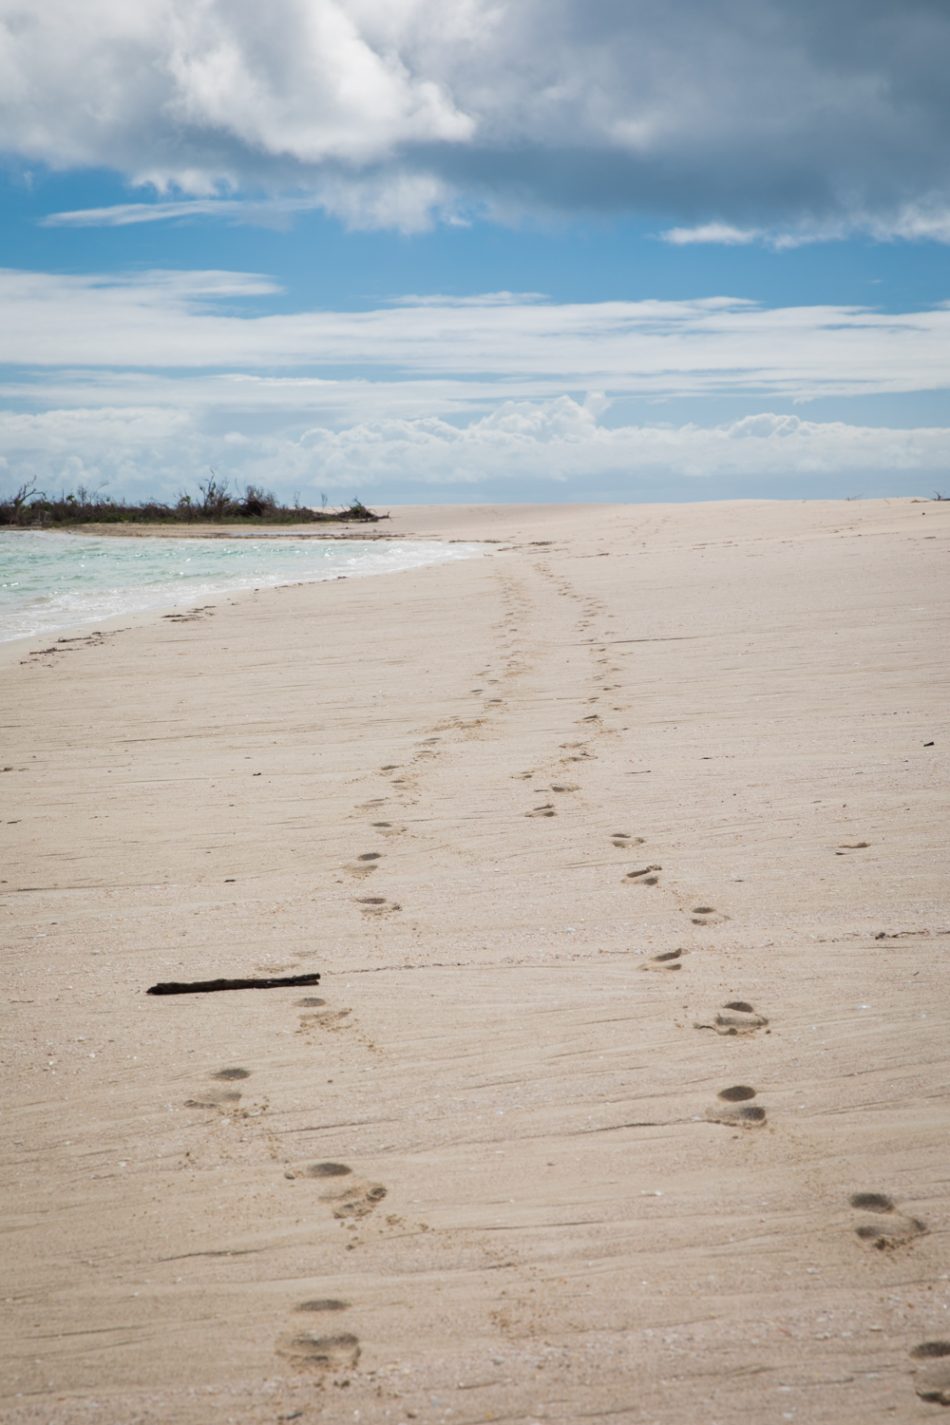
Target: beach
621	851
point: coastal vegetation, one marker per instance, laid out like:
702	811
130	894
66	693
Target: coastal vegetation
215	502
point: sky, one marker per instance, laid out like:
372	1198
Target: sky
486	250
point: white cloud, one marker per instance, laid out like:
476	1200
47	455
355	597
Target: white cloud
124	215
398	112
479	299
911	223
192	320
145	379
722	233
561	442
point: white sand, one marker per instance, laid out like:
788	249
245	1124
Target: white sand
565	1234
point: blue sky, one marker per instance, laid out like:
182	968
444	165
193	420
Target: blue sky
499	251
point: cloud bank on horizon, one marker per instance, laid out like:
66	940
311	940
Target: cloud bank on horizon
784	118
147	375
720	125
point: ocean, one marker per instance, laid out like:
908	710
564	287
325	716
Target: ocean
51	581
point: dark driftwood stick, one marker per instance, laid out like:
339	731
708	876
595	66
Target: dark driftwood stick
203	987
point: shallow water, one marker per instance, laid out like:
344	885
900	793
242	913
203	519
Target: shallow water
51	581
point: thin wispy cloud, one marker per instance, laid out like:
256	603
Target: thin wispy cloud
480	299
192	321
264	212
913	223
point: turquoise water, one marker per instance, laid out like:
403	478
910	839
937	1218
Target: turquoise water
50	582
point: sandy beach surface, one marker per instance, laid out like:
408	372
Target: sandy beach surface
622	852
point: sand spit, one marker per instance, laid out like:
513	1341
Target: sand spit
490	1169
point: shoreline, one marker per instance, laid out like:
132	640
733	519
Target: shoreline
169	597
537	820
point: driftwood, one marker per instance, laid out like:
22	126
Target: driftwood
203	987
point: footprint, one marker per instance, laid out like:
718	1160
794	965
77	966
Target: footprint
323	1303
377	905
746	1115
737	1093
229	1074
370	856
362	866
359	1200
669	960
328	1019
624	839
546	810
213	1098
707	915
737	1016
565	787
329	1353
881	1225
309	1002
645	876
932	1378
846	846
326	1170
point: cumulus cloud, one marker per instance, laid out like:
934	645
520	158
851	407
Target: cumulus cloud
561	444
784	114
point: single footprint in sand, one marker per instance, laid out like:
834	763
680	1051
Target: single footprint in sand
323	1303
377	905
330	1019
707	915
932	1374
565	787
736	1016
846	846
880	1224
668	960
214	1098
364	864
309	1002
327	1353
646	876
734	1109
546	810
357	1200
623	839
229	1075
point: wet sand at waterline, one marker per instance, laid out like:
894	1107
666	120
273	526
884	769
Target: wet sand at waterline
622	853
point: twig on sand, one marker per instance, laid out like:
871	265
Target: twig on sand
194	987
